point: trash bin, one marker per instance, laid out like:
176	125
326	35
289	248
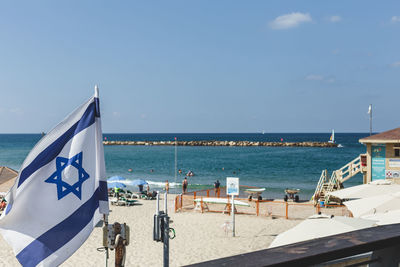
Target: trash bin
322	204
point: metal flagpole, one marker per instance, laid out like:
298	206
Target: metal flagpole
176	160
233	215
370	119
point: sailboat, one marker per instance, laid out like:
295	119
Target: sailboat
332	139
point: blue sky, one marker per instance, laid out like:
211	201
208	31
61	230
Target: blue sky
202	66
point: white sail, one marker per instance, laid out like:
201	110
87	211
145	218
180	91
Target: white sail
332	139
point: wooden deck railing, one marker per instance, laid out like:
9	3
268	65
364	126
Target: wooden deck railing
379	246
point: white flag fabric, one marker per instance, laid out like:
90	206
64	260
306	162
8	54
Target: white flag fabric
369	109
60	193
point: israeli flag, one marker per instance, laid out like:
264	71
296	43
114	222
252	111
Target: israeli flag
60	193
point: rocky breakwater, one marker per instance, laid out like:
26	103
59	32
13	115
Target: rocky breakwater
218	143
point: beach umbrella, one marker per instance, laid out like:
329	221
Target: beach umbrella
318	226
138	182
116	178
116	185
373	205
376	188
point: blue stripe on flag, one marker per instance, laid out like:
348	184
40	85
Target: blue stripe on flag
103	191
55	148
59	235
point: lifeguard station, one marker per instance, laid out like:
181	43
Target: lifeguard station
381	161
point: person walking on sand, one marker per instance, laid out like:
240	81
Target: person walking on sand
184	185
166	186
216	187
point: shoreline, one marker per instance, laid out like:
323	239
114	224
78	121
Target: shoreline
219	143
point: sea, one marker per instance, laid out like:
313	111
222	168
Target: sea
275	168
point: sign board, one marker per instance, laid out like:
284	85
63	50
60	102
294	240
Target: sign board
232	186
395	163
392	174
378	161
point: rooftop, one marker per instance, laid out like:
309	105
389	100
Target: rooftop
391	136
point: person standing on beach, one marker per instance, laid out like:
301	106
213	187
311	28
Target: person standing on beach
216	187
184	185
166	186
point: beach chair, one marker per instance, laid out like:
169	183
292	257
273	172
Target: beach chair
151	196
127	202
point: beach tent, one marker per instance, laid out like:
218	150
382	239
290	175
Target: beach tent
389	217
318	226
373	205
376	188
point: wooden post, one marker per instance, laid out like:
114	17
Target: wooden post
318	208
201	204
181	202
208	192
176	203
258	207
287	209
120	247
194	198
219	192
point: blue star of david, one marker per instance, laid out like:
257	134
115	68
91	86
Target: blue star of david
64	188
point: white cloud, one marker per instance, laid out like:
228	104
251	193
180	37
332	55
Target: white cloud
116	114
395	64
395	19
335	19
320	78
290	20
16	111
314	77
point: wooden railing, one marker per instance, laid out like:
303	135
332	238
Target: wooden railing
320	187
349	170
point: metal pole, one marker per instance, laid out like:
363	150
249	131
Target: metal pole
233	215
158	203
166	233
176	160
105	218
370	120
165	203
166	241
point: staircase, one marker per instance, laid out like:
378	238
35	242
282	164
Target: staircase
338	177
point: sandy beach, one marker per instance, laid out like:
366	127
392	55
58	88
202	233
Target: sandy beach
199	237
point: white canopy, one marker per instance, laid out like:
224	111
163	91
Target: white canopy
373	205
318	226
376	188
389	217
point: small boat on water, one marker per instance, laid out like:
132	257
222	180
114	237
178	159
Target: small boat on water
332	138
190	174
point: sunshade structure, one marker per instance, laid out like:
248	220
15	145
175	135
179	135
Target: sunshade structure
138	182
373	205
116	185
389	217
367	190
320	226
